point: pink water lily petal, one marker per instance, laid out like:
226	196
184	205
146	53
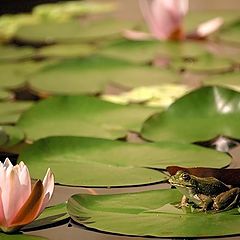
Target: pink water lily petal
48	186
164	17
209	27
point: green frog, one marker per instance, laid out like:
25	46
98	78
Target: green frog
206	193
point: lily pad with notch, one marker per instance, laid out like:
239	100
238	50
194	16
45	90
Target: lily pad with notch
149	214
108	163
198	116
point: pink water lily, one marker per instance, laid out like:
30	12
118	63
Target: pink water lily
20	202
165	21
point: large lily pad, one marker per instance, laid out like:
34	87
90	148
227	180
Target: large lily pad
74	30
150	213
92	74
51	215
198	116
99	162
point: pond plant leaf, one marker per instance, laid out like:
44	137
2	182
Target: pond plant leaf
113	163
50	216
83	116
228	176
93	74
149	213
201	115
11	111
71	31
20	236
10	136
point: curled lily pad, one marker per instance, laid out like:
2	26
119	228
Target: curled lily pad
82	116
198	116
159	96
112	163
51	215
149	213
93	74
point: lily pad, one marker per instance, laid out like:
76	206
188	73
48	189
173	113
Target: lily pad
51	215
231	33
11	111
71	31
82	116
15	53
205	62
198	116
144	51
66	50
149	213
10	136
112	163
14	75
20	236
230	80
93	74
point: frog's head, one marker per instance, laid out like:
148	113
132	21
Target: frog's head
182	179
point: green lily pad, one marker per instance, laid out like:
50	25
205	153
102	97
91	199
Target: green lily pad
144	51
15	53
112	163
5	95
93	74
198	116
15	75
11	111
149	213
205	62
20	236
66	50
82	116
230	80
51	215
73	30
231	33
10	136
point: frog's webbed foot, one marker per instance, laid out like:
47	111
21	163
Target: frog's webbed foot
227	200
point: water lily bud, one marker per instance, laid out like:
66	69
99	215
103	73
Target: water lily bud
21	203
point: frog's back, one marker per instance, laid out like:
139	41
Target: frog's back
211	186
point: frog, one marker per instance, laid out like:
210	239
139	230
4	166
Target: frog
206	193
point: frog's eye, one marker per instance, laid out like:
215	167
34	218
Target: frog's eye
185	176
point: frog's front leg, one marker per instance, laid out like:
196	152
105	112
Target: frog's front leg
227	200
206	202
183	203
